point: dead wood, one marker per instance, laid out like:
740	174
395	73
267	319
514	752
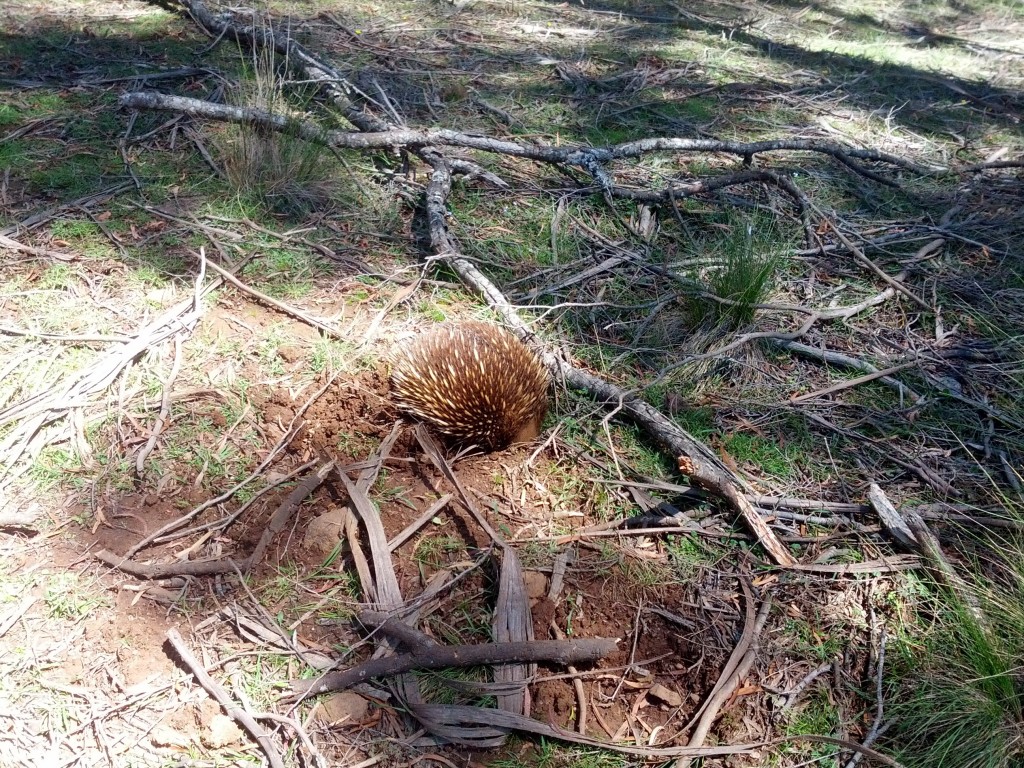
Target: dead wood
460	656
719	485
588	159
223	698
733	672
891	518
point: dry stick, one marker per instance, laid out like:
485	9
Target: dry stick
294	426
298	314
831	357
73	338
876	726
226	565
704	467
577	684
451	717
720	486
165	412
856	382
589	159
727	684
793	695
460	656
223	698
891	519
419	522
865	261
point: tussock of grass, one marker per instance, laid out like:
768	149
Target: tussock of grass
289	174
751	259
959	697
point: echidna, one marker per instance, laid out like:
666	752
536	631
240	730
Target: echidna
475	383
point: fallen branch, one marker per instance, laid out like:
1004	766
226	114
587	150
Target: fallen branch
460	656
223	698
588	159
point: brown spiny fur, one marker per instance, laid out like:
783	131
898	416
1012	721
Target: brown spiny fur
475	383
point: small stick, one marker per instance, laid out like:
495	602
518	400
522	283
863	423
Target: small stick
162	416
865	261
419	522
736	668
288	310
236	713
876	726
850	383
800	687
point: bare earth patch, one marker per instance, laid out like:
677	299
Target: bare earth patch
208	497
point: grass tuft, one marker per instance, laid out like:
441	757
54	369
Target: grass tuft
750	263
290	175
958	696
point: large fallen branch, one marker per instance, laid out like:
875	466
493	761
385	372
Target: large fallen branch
460	656
589	159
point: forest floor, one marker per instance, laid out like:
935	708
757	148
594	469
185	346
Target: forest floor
151	407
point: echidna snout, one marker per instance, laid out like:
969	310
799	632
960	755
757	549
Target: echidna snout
475	383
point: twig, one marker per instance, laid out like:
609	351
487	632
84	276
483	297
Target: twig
162	416
577	684
891	518
223	698
876	726
298	314
810	677
419	522
831	357
865	261
735	670
765	536
856	382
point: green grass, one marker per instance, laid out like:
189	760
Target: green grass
552	754
68	597
438	551
774	458
817	715
751	261
955	686
289	175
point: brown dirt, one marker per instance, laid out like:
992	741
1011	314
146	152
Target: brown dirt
348	422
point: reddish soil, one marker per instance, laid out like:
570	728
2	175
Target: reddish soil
348	422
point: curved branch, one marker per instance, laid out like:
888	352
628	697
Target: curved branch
589	159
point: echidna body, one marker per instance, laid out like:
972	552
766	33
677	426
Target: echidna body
475	383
